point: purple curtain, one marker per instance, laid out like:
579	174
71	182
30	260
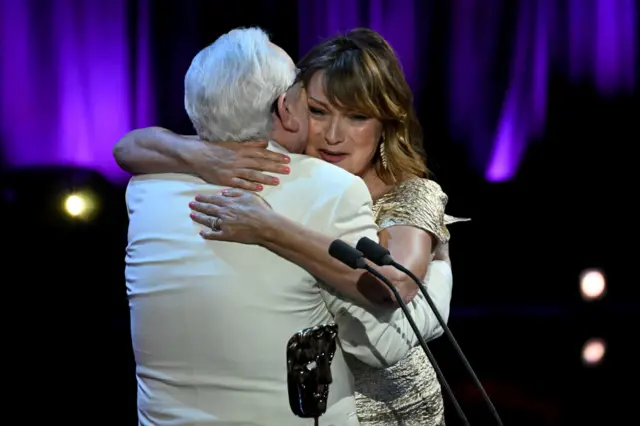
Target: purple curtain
588	40
74	76
393	19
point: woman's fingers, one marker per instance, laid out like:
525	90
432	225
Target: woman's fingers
263	165
205	207
209	221
255	158
258	177
247	185
213	235
258	152
203	219
233	193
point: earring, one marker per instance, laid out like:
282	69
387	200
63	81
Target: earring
383	156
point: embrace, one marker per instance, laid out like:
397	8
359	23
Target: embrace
229	234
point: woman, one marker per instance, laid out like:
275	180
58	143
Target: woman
361	119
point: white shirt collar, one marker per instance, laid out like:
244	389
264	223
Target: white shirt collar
275	146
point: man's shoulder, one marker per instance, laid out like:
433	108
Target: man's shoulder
164	177
303	166
165	188
316	185
166	182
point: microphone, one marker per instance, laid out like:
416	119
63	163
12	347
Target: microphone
347	255
382	257
374	252
354	258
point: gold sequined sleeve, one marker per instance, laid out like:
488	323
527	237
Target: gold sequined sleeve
416	202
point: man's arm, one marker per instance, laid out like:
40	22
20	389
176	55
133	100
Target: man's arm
379	335
439	285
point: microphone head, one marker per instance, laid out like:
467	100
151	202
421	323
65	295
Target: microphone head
374	252
346	254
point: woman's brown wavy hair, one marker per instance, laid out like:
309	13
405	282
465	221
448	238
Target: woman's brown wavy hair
363	75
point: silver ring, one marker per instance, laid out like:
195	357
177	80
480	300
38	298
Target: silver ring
216	224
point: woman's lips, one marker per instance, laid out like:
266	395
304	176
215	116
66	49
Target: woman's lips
332	157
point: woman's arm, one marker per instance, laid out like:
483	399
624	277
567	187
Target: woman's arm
157	150
233	164
409	246
245	218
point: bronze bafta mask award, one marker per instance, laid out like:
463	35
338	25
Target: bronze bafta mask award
309	355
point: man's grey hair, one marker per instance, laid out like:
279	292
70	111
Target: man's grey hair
232	84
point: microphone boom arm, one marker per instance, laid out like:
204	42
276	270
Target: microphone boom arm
452	339
421	340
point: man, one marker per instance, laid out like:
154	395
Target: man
210	320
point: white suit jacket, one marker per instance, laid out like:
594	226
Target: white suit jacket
210	320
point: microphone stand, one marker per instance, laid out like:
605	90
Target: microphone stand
449	335
354	258
381	256
421	340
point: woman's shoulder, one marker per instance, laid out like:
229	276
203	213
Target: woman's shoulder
418	202
415	191
425	190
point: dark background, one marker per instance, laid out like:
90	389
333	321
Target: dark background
517	310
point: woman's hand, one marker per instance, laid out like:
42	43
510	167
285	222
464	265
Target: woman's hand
235	215
238	164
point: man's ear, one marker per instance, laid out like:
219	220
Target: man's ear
288	120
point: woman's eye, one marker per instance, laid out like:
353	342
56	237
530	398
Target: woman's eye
359	117
314	110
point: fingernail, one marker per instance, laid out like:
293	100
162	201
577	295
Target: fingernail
286	169
192	215
192	203
260	187
275	180
201	233
225	191
287	159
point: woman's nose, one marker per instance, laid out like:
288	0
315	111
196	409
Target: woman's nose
334	134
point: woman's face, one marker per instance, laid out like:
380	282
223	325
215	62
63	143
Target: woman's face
347	140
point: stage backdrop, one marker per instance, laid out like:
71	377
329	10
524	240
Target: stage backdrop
75	75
